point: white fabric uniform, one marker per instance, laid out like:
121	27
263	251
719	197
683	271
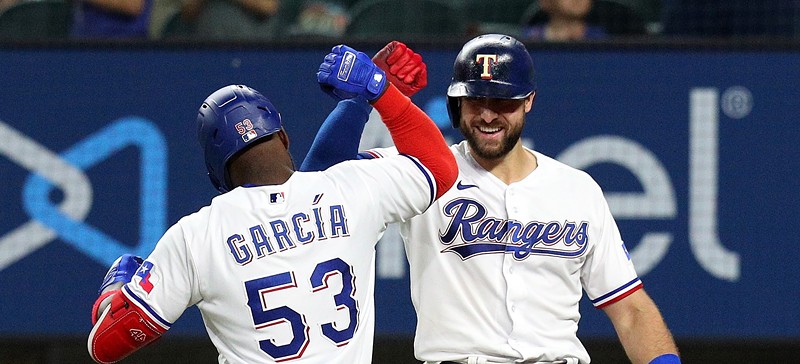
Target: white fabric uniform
286	272
497	270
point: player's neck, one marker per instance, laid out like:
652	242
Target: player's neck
513	167
266	163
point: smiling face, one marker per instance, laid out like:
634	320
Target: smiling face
493	127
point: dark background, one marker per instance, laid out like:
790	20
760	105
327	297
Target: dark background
66	94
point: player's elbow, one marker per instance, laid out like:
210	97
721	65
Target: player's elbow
121	329
117	343
447	174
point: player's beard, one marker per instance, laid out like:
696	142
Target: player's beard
495	150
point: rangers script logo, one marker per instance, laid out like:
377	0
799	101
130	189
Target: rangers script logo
485	235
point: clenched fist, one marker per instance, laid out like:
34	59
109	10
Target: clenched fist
404	68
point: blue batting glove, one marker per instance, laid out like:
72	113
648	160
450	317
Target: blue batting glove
122	270
346	73
666	359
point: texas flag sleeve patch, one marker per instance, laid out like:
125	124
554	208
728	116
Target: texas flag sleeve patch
148	279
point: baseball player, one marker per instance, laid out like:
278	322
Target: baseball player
499	263
281	265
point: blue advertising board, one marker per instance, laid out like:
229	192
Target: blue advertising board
696	152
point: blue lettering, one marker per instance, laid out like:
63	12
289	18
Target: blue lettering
281	233
492	228
516	231
482	234
285	234
319	223
260	240
460	223
297	221
532	232
552	233
241	252
338	222
578	236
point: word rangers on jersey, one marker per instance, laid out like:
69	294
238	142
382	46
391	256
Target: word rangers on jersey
485	235
302	228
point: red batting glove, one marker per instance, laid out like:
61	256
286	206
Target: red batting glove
404	68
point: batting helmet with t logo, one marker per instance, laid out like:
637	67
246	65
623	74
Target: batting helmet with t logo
491	65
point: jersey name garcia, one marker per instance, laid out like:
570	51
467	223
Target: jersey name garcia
279	235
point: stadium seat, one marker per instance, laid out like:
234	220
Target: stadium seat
176	27
221	20
615	16
650	11
733	18
316	19
497	11
30	20
498	16
406	19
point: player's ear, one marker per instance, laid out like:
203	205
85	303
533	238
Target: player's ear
529	101
284	138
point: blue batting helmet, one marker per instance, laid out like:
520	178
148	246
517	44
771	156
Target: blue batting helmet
230	120
491	65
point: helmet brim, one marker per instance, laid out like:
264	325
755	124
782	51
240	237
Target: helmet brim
491	89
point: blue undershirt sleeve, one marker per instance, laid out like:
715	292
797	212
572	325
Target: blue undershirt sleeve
338	138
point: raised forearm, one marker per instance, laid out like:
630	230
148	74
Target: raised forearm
414	133
641	329
338	138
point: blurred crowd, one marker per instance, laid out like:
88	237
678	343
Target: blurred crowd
544	20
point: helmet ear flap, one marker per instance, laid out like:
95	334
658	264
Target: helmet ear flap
215	182
454	110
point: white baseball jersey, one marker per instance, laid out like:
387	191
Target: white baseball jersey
285	273
497	270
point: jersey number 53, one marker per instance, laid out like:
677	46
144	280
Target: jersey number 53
345	299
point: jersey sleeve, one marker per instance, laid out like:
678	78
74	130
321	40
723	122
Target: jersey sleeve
166	283
376	153
398	186
608	274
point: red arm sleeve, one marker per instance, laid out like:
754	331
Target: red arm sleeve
415	134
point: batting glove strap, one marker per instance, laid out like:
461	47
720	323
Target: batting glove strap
666	359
